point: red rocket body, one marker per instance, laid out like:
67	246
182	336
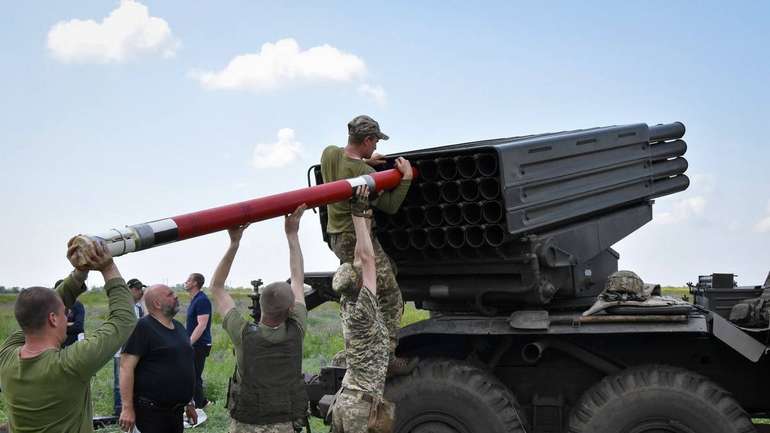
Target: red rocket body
146	235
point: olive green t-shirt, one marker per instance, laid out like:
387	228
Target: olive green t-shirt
235	324
335	165
51	392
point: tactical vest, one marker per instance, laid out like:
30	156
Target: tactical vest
271	388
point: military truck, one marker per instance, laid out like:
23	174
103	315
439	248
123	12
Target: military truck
506	242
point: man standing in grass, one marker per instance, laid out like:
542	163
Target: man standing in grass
157	372
47	388
267	391
199	331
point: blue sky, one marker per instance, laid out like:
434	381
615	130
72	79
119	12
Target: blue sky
107	123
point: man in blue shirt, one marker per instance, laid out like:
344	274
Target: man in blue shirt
199	330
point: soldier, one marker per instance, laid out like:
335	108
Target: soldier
360	400
356	159
47	388
267	391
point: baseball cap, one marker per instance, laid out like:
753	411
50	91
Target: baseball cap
133	283
365	125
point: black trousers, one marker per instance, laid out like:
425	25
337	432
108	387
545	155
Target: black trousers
153	420
201	352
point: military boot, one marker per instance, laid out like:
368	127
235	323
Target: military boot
401	366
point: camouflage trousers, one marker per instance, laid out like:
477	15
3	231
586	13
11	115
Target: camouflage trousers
351	414
388	293
281	427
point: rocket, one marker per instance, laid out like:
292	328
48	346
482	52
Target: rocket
142	236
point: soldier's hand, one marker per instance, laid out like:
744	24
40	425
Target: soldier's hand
405	168
86	253
376	160
236	233
127	419
291	222
359	203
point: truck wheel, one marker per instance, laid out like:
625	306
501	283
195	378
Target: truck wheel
658	399
447	396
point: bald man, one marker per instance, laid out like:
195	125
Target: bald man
267	392
157	371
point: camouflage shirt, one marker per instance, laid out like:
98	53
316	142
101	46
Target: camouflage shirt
366	343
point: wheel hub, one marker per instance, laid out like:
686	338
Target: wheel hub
659	426
434	423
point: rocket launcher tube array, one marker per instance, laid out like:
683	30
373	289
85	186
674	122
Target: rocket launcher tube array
151	234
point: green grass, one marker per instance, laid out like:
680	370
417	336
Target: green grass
323	339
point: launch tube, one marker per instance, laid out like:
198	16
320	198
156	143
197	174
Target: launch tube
471	213
489	188
433	215
452	214
455	237
447	168
151	234
486	164
491	211
667	131
450	191
428	170
430	192
418	238
474	236
466	166
437	237
469	189
415	216
400	239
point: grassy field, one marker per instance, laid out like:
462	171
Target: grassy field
323	340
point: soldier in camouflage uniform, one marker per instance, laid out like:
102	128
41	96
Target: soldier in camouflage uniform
365	332
356	159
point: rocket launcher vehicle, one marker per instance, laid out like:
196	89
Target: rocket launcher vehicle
163	231
494	225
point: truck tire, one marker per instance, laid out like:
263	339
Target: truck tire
448	396
656	398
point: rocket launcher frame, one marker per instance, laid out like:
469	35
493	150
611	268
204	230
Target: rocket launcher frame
526	220
142	236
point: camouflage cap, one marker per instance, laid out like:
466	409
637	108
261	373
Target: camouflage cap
628	282
364	125
347	279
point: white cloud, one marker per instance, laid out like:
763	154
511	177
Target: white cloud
763	225
278	154
128	32
683	210
282	63
377	93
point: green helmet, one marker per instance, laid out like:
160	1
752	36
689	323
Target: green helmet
626	282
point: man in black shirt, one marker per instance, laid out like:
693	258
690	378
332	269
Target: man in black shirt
157	372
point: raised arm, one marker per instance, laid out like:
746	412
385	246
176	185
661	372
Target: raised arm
88	356
364	251
296	262
390	201
224	302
